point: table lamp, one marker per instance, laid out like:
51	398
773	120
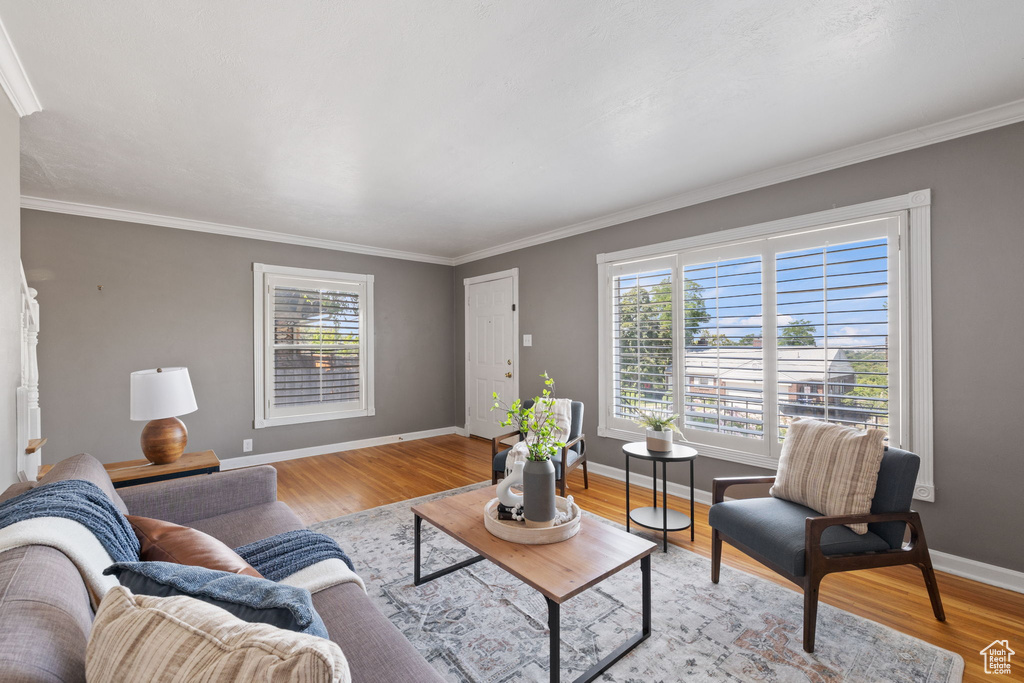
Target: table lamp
160	395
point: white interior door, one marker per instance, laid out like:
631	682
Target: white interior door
492	355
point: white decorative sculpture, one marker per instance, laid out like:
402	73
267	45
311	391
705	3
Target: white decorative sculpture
514	463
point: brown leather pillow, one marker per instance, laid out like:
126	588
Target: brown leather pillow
165	542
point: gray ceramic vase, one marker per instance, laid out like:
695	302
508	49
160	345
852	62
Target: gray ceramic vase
539	493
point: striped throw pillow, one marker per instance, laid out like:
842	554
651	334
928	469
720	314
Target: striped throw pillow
158	640
830	468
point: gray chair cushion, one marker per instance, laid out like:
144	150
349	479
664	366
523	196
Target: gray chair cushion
774	528
897	477
499	461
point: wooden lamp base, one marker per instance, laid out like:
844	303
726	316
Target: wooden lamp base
163	441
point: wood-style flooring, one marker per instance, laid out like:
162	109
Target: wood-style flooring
327	486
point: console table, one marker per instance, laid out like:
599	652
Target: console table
142	471
660	518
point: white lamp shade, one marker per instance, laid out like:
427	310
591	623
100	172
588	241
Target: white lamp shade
161	393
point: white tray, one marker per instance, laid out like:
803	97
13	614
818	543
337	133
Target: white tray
517	532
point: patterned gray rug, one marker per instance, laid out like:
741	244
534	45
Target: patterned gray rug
481	624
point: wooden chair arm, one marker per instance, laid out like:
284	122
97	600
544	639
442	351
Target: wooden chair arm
569	444
497	445
814	527
720	484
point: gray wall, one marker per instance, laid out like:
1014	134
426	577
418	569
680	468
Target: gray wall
174	297
10	289
978	328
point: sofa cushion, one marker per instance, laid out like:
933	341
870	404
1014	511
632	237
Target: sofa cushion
830	468
165	542
143	638
251	599
84	466
251	524
774	528
15	490
45	617
377	651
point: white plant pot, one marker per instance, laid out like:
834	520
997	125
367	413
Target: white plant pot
659	442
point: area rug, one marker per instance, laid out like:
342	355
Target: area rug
481	624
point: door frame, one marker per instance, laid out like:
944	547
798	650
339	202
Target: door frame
466	282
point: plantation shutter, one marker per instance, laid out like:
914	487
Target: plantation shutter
723	350
833	312
315	345
642	338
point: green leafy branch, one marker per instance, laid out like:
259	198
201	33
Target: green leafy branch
536	423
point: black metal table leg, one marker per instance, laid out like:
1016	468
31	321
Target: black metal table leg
555	628
416	551
664	503
627	493
654	482
693	522
645	573
417	579
622	650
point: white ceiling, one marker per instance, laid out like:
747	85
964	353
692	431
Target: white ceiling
446	128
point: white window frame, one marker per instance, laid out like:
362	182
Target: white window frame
912	320
266	415
633	267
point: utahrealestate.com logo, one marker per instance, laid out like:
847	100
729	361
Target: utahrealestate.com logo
997	657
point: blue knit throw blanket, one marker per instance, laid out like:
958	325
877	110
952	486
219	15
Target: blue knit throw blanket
80	501
283	555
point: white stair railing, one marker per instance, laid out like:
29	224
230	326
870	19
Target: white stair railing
29	415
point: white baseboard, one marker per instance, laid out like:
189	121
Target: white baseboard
281	456
989	574
674	489
1001	577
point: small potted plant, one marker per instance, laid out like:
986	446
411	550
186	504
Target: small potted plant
659	429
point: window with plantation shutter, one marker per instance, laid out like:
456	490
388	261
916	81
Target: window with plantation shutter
313	340
739	337
642	339
835	359
723	354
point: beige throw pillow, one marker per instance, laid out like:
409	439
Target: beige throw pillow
830	468
144	638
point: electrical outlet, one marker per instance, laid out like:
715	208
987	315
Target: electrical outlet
247	445
527	340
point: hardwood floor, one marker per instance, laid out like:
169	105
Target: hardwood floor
328	486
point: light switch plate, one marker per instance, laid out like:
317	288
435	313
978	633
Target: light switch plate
527	340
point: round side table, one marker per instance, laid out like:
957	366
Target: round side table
660	518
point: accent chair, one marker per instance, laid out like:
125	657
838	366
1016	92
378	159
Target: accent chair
574	452
803	545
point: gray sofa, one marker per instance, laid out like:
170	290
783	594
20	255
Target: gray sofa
45	616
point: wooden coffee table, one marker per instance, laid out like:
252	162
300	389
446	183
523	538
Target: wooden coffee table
558	571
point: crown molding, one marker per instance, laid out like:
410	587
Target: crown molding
987	119
124	215
14	79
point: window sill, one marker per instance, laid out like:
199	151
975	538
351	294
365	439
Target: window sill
260	423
